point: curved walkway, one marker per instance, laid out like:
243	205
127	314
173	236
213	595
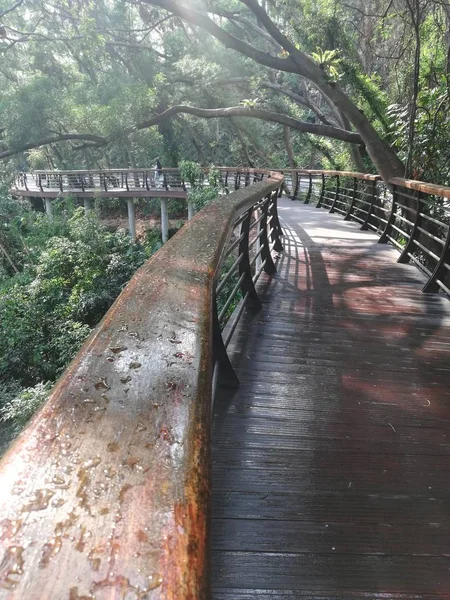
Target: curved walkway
331	475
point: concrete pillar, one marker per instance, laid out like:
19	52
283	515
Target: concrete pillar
164	220
131	219
87	205
48	207
191	210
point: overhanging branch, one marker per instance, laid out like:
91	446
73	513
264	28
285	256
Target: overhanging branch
254	113
96	139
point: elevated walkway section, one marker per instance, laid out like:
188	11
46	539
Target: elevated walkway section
331	470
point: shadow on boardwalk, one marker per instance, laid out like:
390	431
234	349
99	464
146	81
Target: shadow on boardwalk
331	469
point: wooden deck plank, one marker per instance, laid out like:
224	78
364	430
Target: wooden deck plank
331	478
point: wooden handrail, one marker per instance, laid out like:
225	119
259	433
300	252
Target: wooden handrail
105	493
421	186
409	214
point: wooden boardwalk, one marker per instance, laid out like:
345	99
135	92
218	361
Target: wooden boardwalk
331	474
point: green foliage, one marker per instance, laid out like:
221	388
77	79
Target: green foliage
17	405
71	270
191	172
200	197
431	153
199	194
250	102
329	61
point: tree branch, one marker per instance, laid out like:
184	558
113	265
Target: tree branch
228	40
254	113
11	8
99	141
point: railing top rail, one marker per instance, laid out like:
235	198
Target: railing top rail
139	170
421	186
365	176
90	171
107	488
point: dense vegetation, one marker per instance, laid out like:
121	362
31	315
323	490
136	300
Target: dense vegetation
118	83
61	276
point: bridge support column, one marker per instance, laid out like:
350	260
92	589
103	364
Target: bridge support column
164	220
48	207
131	219
87	205
191	210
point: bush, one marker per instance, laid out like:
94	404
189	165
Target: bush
19	408
72	271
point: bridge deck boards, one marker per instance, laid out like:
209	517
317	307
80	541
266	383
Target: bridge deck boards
331	477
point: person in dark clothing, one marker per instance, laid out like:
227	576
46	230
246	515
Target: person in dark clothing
158	172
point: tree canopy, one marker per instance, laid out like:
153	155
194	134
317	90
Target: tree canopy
360	84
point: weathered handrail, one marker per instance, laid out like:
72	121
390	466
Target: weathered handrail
414	216
105	494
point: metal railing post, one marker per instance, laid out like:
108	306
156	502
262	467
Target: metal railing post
384	235
322	192
352	203
373	196
440	270
247	285
275	230
308	195
404	256
336	195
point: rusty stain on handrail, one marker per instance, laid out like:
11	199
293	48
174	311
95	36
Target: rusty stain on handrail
105	493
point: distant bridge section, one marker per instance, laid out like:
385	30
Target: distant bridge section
89	184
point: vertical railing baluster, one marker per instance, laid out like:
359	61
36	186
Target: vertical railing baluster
404	256
227	376
280	189
266	254
297	185
322	192
336	195
274	224
386	231
308	195
247	285
353	200
440	270
373	195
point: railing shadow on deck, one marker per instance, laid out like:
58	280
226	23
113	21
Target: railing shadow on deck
319	292
106	492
